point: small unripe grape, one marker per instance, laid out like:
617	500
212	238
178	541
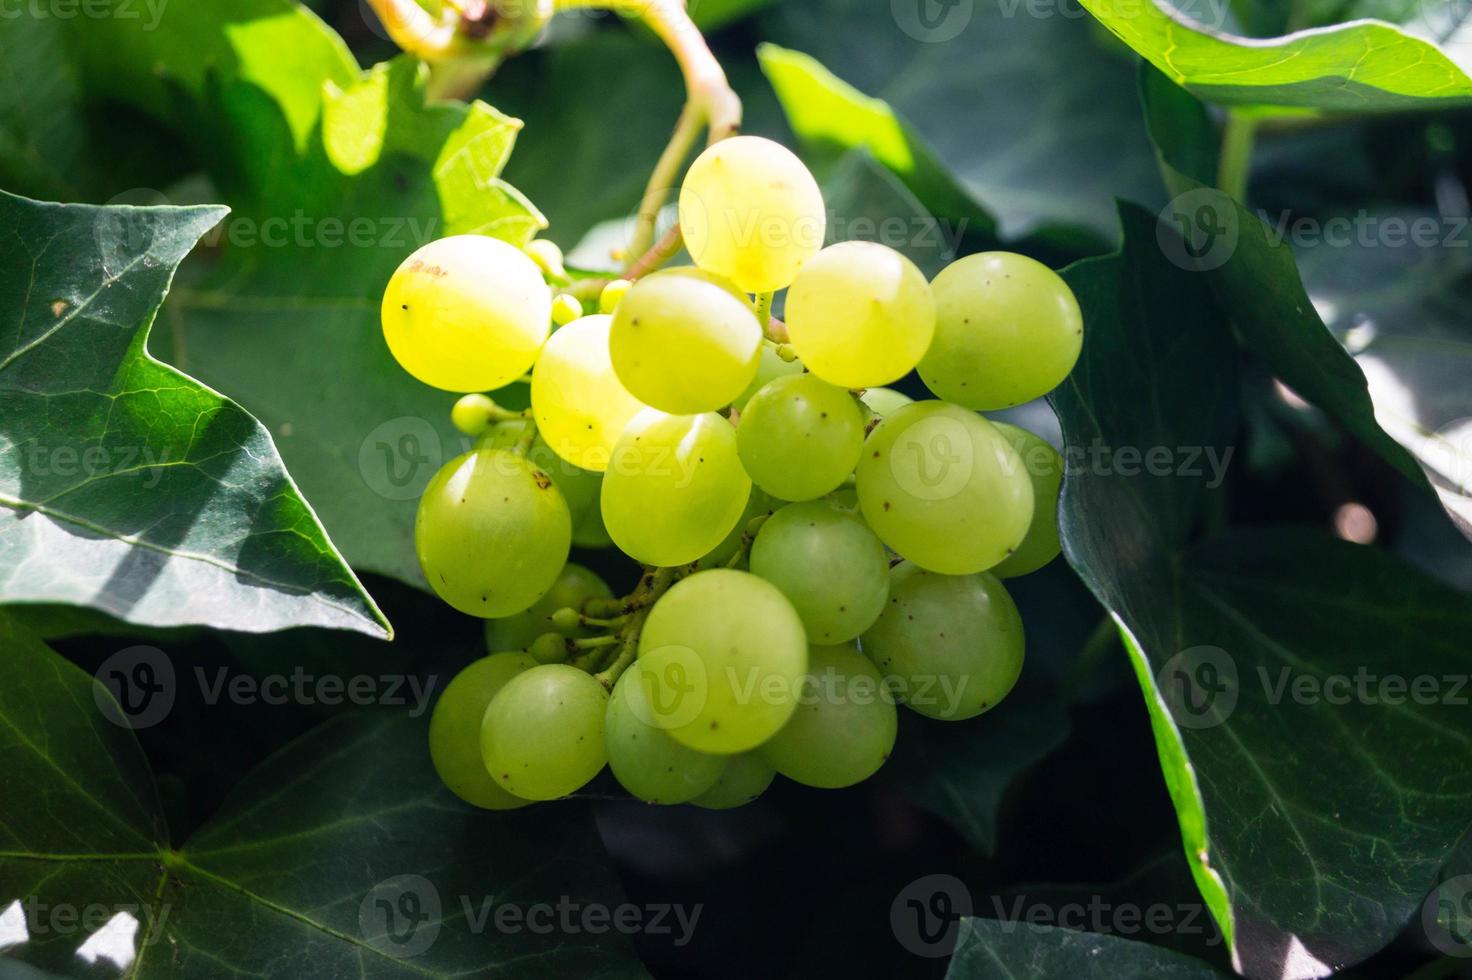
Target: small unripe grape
611	294
751	212
549	648
565	309
466	313
860	314
473	414
1008	330
547	256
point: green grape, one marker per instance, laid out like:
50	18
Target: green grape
675	488
1008	330
799	437
579	403
757	505
609	298
950	646
466	313
685	341
473	414
828	564
580	487
769	368
492	533
574	585
542	736
751	212
941	486
844	726
648	763
566	309
1044	468
721	655
745	777
549	648
454	730
860	314
884	401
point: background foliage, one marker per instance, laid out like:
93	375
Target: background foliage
189	459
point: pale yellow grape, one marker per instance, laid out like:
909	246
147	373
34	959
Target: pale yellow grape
675	487
750	211
685	341
454	730
1008	330
492	533
1044	468
943	488
860	314
580	405
722	654
466	313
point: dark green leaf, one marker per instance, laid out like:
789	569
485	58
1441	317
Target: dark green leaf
1359	67
1042	148
986	948
1422	345
304	871
124	484
1314	827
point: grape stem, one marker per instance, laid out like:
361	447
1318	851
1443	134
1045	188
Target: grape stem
709	102
764	310
653	584
524	442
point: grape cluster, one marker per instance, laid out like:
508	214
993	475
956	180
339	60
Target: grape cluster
816	547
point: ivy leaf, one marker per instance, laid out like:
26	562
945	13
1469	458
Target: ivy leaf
1422	346
1310	859
1055	147
334	177
343	850
989	948
1363	66
833	117
124	484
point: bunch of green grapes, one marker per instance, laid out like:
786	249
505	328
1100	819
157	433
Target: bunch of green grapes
812	548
